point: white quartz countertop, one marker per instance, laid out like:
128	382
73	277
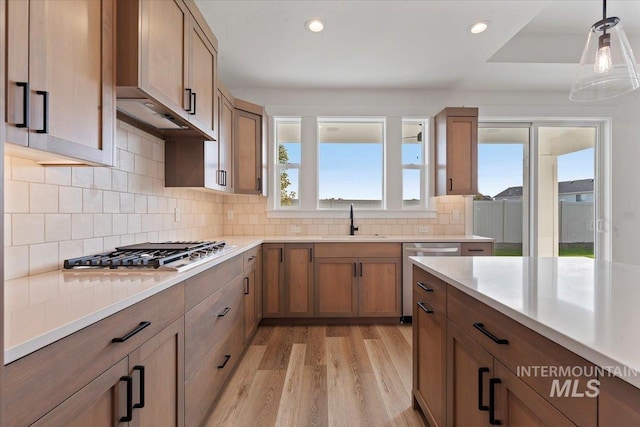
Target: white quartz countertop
590	307
44	308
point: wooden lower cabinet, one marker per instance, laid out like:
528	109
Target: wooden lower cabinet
517	404
469	368
429	362
252	292
98	404
379	293
336	291
273	280
298	279
156	373
619	403
157	367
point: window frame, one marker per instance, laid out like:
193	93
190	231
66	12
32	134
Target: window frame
279	167
392	189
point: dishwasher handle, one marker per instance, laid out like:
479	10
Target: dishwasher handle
434	250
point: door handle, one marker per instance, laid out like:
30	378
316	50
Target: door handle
481	328
481	405
25	104
246	286
140	403
137	329
224	312
127	379
423	287
193	96
310	254
424	308
492	401
226	359
450	184
45	111
360	269
189	92
259	186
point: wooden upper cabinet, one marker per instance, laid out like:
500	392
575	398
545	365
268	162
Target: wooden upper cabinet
224	173
456	151
247	148
167	61
60	79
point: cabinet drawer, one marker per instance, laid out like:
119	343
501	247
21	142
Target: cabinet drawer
476	249
205	385
208	323
430	290
199	287
40	381
250	257
525	349
355	250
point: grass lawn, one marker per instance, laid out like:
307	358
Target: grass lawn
566	249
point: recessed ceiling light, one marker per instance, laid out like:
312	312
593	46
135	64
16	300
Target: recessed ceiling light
315	25
479	27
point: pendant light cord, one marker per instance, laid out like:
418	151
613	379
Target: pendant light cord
604	9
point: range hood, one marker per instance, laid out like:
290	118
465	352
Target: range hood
150	114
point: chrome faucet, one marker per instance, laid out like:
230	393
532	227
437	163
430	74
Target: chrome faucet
352	229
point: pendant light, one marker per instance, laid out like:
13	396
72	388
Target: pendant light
607	67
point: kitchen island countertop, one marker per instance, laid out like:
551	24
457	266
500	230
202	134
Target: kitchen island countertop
589	307
44	308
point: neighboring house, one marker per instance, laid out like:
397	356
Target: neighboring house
580	190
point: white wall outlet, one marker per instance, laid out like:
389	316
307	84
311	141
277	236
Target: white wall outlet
176	215
230	215
295	229
455	215
423	228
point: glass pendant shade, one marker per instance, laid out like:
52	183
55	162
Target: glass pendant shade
607	67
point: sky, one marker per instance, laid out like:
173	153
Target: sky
349	171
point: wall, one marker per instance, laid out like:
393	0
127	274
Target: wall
621	218
56	213
250	218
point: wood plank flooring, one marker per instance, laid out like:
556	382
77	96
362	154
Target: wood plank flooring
321	376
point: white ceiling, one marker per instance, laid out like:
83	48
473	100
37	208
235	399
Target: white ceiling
530	45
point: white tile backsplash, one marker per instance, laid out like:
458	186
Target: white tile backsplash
56	213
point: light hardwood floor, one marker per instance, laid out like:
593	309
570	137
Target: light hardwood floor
321	376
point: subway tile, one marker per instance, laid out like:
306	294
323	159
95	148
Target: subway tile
110	202
81	226
112	242
16	197
118	180
57	227
26	170
7	230
125	161
102	178
69	249
127	203
43	198
140	165
16	262
120	223
121	138
57	175
91	201
43	258
102	225
134	223
140	203
82	177
27	229
70	200
92	246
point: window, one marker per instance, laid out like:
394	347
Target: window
321	165
288	161
413	163
350	163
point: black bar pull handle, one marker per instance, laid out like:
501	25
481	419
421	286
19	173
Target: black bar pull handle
492	401
475	250
480	327
481	405
423	287
129	415
355	269
225	178
246	286
45	111
450	184
25	104
360	269
424	308
219	177
189	92
140	403
251	258
281	255
310	254
193	96
259	182
137	329
224	313
226	359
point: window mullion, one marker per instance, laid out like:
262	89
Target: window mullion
393	164
308	174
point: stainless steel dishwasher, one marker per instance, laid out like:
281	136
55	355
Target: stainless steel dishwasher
420	249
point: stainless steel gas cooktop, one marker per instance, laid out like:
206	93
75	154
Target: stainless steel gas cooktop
175	256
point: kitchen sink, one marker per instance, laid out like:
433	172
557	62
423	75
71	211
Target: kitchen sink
366	237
